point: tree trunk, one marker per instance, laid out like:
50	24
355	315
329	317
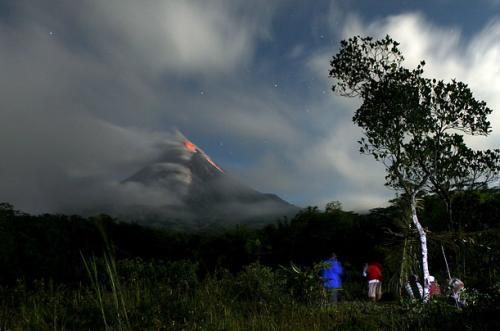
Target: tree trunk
423	245
447	203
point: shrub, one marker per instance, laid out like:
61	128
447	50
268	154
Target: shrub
304	284
259	283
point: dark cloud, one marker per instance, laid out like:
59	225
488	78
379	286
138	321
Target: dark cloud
90	92
83	87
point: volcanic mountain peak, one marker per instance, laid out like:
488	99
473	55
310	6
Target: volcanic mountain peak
195	149
206	192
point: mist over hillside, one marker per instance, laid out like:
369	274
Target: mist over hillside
179	186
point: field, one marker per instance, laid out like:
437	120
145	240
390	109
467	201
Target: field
170	297
72	273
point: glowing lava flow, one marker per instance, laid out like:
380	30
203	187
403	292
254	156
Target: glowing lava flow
190	146
193	149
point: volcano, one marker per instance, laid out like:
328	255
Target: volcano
198	192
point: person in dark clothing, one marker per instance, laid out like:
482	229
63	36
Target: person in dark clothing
331	276
413	288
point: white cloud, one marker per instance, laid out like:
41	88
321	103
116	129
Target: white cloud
341	152
448	55
357	180
191	36
82	88
89	101
340	171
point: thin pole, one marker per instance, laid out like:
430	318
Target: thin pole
446	262
449	275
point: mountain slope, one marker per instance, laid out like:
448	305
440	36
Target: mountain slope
198	192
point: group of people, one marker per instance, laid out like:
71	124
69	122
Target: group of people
414	289
332	282
332	278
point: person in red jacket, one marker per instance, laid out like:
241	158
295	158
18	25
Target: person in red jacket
434	288
373	273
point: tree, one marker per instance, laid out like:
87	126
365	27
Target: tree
414	125
333	207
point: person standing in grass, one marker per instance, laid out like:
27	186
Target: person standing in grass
331	276
413	288
373	272
434	289
457	287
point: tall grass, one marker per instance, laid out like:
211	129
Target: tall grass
138	295
119	311
111	280
91	267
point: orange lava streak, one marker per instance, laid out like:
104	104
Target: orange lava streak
193	149
190	146
213	163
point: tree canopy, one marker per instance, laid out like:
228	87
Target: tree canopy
414	125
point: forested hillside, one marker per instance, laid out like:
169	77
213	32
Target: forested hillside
51	257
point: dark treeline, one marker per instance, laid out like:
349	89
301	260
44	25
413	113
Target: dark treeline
51	246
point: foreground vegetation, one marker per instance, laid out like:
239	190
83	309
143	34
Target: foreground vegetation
72	273
169	296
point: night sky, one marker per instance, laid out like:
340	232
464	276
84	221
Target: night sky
91	90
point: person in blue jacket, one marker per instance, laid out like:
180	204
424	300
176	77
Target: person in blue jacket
331	276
